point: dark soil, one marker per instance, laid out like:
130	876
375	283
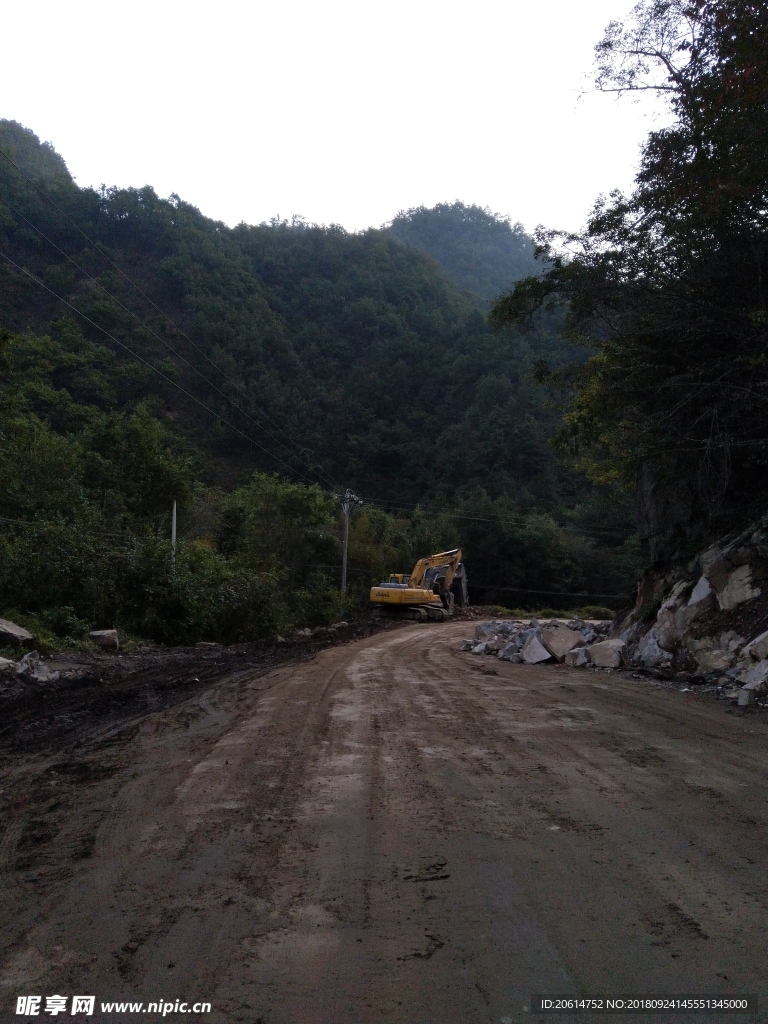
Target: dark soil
115	689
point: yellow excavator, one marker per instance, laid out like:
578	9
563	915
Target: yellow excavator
435	585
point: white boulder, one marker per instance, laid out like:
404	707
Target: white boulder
10	631
607	653
559	640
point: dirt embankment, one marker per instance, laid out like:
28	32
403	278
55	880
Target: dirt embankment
113	689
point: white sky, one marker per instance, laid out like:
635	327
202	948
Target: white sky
341	112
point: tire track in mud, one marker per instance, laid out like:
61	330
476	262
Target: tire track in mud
391	834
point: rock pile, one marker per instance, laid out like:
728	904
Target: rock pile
527	641
30	668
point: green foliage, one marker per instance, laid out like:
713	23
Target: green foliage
481	252
341	356
39	160
666	286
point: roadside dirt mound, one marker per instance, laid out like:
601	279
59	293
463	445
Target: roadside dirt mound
115	688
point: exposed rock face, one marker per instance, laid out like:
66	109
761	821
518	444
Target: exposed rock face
701	592
649	654
758	649
9	631
707	611
711	659
737	589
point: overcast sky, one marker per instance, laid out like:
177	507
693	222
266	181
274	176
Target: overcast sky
340	112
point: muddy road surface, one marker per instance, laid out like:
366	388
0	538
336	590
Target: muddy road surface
388	832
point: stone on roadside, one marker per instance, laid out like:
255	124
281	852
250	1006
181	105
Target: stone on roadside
484	629
535	651
6	665
16	634
479	648
559	640
31	667
468	645
106	639
607	653
578	657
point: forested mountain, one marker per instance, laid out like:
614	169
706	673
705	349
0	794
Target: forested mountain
151	354
481	252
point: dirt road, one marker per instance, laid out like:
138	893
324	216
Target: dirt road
388	834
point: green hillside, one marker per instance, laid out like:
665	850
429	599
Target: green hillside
151	354
481	252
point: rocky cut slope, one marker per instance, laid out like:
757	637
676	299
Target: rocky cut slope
708	618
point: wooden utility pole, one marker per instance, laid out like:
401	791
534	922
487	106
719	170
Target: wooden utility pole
348	500
173	535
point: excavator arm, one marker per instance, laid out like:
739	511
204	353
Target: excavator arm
416	596
449	558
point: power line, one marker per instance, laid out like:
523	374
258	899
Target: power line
482	517
162	341
468	515
319	473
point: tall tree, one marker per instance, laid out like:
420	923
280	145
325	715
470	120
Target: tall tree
668	285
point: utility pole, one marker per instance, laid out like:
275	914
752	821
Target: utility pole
348	500
173	535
